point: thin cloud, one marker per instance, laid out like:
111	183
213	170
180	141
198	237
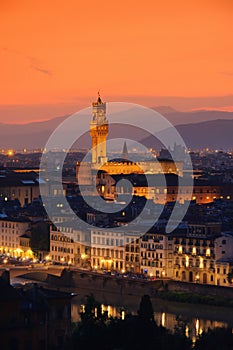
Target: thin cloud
34	63
41	70
37	65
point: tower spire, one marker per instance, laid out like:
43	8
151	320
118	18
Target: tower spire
125	154
99	98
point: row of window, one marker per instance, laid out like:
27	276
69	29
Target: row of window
102	233
8	238
11	232
152	263
108	252
195	251
132	249
151	246
62	258
61	238
155	238
114	264
62	249
6	245
151	255
65	229
132	258
107	241
9	224
196	242
223	270
196	263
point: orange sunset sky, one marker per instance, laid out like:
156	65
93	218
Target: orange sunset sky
56	55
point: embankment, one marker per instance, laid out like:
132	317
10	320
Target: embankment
76	281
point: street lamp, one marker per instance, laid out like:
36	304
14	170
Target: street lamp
47	258
197	277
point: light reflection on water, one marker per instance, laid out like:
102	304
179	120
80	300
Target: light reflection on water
193	326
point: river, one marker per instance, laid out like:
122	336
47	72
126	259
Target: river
197	318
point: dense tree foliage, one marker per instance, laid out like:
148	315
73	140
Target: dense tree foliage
146	311
40	237
216	339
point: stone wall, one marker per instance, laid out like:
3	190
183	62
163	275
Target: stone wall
202	289
77	281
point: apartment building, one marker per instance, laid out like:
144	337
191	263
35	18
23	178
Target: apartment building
14	240
157	255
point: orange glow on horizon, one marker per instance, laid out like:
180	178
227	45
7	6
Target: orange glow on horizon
60	53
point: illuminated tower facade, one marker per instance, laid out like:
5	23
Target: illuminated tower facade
99	132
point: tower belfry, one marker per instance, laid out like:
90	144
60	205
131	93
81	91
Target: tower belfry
99	131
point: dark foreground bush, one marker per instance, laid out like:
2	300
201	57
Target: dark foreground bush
216	339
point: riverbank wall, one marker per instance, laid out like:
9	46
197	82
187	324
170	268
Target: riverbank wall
76	281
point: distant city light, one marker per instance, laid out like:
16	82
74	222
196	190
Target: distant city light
10	152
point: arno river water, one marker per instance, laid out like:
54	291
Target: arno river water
197	318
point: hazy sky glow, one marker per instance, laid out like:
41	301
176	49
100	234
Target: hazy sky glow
56	55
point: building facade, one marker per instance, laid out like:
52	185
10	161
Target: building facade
157	255
107	250
67	246
15	237
23	187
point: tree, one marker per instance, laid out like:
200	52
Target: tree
40	237
146	311
230	277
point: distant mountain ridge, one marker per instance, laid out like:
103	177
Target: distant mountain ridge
214	134
197	116
199	129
